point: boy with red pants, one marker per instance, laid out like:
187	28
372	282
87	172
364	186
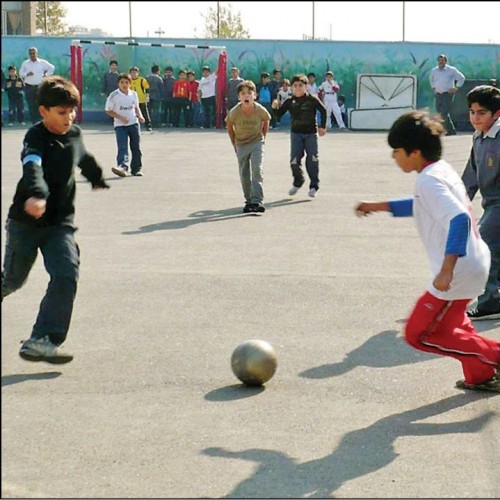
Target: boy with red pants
458	257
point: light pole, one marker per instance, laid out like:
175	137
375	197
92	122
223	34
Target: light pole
403	21
159	32
130	19
218	19
313	20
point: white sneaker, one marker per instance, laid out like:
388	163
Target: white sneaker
293	190
44	350
119	171
312	192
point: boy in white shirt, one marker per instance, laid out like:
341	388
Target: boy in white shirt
328	91
458	257
123	105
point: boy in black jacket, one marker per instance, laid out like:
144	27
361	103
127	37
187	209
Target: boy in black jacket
303	108
42	216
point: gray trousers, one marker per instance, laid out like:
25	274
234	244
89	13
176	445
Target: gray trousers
250	158
489	227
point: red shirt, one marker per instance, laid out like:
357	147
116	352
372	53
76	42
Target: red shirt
193	87
181	89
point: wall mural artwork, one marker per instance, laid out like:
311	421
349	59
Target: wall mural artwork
346	59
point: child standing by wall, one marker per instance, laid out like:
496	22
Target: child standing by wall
14	87
328	91
42	217
303	108
482	174
247	126
141	86
123	105
458	257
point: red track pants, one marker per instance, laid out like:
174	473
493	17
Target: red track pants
443	327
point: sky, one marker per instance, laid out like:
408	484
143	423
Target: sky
440	22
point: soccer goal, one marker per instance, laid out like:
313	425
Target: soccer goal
380	99
76	70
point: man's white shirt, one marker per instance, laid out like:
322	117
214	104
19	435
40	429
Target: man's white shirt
40	68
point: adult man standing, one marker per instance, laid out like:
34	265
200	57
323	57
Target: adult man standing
33	71
445	81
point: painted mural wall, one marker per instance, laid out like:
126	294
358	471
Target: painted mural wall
346	59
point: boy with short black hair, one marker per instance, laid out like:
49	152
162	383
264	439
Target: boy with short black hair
303	109
247	126
458	257
42	216
482	174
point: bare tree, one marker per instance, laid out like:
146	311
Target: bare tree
222	22
50	18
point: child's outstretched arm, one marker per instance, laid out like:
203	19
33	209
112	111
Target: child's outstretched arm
456	247
399	208
365	208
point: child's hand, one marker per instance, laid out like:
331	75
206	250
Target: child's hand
35	207
275	104
442	281
321	132
123	119
142	119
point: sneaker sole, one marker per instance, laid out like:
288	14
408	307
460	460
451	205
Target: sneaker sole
460	384
119	172
57	360
486	317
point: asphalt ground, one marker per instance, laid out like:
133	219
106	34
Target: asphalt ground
174	277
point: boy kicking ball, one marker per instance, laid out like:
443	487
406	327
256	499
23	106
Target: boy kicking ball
458	257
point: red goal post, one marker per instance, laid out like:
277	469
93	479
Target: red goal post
76	70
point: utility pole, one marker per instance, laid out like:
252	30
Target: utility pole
218	19
403	21
160	32
45	17
130	19
313	21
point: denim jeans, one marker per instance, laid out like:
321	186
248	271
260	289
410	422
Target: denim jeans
123	133
61	257
308	144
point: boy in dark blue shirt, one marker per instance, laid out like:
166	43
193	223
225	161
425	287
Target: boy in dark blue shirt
42	216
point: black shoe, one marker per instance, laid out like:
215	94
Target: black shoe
259	207
248	208
479	314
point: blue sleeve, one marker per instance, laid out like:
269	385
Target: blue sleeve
458	235
402	207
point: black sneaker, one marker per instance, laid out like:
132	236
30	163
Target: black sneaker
44	350
479	314
259	207
248	208
491	385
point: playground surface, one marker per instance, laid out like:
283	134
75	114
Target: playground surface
174	277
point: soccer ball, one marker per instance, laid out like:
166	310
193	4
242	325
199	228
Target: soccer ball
254	362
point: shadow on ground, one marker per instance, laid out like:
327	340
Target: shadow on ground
359	453
384	350
210	216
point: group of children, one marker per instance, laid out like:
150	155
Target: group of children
462	257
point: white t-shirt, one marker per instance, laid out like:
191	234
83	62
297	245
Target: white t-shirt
207	85
329	90
440	196
123	104
283	95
